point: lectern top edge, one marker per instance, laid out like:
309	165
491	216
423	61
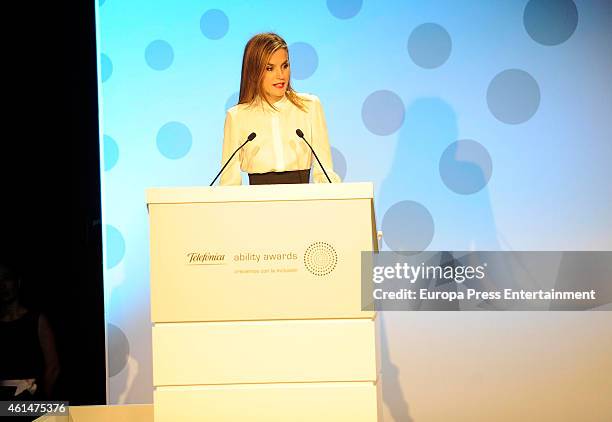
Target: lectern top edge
247	193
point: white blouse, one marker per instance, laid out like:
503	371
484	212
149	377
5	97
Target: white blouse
276	147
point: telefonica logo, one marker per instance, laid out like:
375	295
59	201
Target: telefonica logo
320	258
205	258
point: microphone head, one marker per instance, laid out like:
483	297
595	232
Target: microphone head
251	137
299	133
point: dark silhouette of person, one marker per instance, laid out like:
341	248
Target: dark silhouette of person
29	364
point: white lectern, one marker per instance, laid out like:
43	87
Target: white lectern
256	304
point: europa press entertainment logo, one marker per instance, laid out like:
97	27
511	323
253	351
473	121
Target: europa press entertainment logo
320	258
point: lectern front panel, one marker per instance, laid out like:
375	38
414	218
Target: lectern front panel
300	402
264	351
227	261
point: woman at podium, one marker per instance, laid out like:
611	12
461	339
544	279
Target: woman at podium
285	123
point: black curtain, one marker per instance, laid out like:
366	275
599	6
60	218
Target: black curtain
50	183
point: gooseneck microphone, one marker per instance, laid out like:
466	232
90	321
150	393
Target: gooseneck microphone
299	133
249	139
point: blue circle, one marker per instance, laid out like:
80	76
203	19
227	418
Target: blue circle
101	2
465	167
232	100
304	60
111	153
383	112
174	140
513	96
407	226
106	66
214	24
118	349
429	45
550	22
115	246
344	9
159	55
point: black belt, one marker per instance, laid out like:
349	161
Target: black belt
280	177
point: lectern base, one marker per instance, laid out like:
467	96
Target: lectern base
299	402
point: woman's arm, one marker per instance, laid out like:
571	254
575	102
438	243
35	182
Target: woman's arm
51	361
231	174
320	143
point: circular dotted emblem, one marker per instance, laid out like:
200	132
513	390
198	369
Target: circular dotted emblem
320	258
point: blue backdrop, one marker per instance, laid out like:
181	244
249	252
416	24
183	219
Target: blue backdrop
482	124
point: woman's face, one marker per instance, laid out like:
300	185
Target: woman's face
9	288
276	76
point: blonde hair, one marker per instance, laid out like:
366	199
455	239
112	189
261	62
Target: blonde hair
257	52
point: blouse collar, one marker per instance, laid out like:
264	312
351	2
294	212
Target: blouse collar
278	104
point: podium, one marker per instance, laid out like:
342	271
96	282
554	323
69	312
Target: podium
256	304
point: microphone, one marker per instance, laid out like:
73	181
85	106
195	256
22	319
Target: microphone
249	139
299	133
